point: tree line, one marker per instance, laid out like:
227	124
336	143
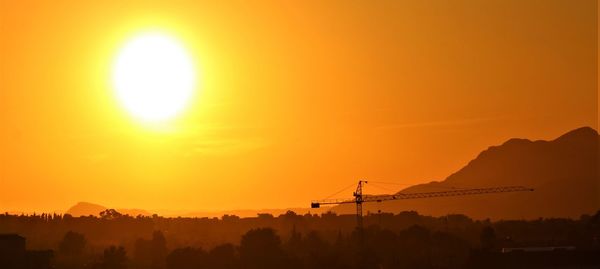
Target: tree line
405	240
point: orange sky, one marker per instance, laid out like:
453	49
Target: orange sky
295	100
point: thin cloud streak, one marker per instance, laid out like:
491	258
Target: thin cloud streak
461	122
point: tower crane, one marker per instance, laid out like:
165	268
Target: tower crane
360	198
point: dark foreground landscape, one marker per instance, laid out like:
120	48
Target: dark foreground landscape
405	240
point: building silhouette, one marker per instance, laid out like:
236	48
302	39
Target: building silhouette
14	255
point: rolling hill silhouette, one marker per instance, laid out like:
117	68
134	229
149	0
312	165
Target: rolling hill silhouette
87	209
564	173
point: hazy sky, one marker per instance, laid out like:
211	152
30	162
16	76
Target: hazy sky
296	100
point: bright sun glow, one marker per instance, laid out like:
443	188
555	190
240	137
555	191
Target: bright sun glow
154	77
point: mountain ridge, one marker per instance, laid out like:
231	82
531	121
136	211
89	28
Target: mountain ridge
564	172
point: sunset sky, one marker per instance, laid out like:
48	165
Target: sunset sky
293	100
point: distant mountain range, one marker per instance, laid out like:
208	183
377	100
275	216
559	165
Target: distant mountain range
244	213
89	209
564	173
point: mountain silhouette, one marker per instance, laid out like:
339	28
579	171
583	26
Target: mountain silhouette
563	172
87	209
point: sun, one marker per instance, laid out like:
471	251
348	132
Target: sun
153	76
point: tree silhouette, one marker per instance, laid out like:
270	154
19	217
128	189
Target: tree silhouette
114	258
317	251
261	248
415	247
151	253
488	238
222	257
187	258
448	251
70	250
158	247
72	244
110	214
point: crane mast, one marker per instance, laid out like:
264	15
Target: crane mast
360	198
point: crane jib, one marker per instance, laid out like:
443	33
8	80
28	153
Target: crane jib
360	198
